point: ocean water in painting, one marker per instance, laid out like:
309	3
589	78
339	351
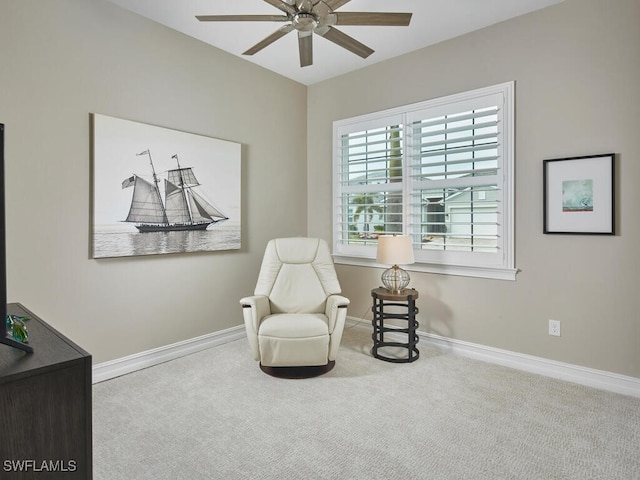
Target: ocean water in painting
122	240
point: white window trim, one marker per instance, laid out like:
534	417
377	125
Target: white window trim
505	271
493	273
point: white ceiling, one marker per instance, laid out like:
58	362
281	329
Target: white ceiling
433	21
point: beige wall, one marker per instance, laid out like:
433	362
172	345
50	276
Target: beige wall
577	74
577	78
61	60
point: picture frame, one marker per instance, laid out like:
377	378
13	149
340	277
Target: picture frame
579	195
156	190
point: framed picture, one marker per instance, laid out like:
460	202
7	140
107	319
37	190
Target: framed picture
158	190
579	195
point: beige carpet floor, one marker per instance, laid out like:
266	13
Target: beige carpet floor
215	415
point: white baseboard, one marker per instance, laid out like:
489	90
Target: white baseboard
601	379
121	366
590	377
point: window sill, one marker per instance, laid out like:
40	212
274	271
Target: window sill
459	270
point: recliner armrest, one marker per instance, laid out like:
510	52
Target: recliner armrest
254	308
336	308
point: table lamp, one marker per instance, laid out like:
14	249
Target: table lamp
394	250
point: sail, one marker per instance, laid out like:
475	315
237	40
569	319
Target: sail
182	177
146	205
201	210
175	204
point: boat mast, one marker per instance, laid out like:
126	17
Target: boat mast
155	181
182	187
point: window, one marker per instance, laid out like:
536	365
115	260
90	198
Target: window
440	171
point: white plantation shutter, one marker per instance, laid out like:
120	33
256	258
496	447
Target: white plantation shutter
455	181
441	171
370	183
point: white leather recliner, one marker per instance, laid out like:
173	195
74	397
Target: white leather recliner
295	318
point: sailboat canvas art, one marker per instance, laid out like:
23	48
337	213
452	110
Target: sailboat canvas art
158	190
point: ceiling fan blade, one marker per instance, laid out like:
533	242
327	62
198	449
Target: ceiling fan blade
242	18
373	18
333	4
281	32
281	5
305	45
345	41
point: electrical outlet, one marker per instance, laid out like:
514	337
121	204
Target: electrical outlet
554	328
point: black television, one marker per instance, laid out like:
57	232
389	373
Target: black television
5	338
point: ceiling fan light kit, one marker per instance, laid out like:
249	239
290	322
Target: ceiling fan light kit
315	16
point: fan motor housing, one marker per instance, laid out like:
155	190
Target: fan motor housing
304	22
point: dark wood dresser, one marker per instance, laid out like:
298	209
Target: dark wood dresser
45	406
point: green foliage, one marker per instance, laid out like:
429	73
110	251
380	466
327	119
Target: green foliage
367	207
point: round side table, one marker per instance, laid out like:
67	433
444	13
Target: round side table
406	299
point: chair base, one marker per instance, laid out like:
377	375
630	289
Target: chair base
298	372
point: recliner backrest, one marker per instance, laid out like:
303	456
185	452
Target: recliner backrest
297	274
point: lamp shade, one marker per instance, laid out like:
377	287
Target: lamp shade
395	250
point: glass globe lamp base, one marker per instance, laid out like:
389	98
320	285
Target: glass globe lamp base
395	279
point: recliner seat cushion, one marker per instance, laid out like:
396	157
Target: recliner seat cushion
292	339
294	325
293	352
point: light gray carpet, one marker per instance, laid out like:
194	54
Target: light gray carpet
215	415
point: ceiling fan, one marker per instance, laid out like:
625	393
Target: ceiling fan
315	16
